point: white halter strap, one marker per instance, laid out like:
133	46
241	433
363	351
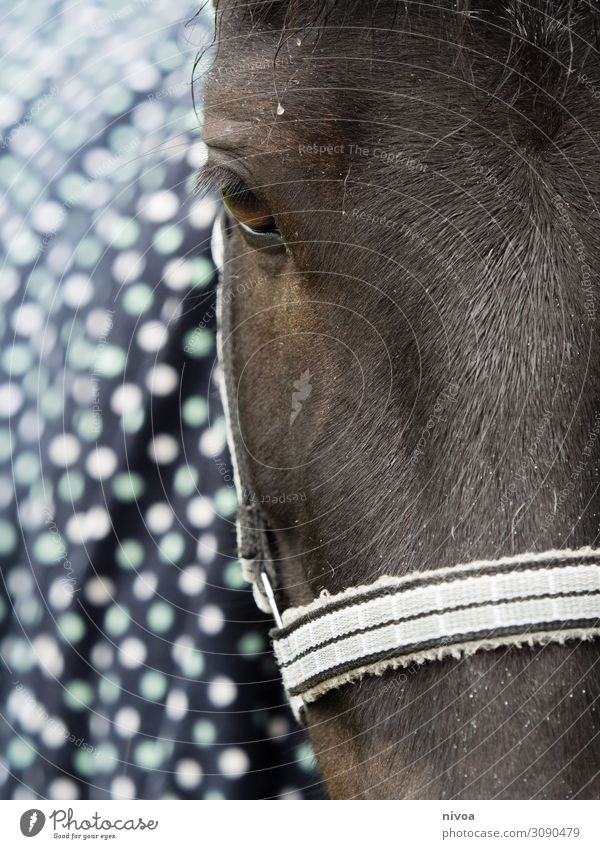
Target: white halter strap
530	599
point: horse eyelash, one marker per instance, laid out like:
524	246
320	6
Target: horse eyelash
216	178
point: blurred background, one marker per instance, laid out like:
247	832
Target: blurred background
133	663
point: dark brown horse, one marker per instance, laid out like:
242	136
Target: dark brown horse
412	198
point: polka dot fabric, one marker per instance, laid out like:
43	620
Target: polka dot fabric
134	663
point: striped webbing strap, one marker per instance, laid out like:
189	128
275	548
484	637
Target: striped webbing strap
530	599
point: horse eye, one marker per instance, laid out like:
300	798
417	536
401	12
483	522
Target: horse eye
251	213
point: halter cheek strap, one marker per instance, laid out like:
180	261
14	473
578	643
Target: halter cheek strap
530	599
251	529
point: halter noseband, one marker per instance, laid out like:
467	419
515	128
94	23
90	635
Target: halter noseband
529	599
